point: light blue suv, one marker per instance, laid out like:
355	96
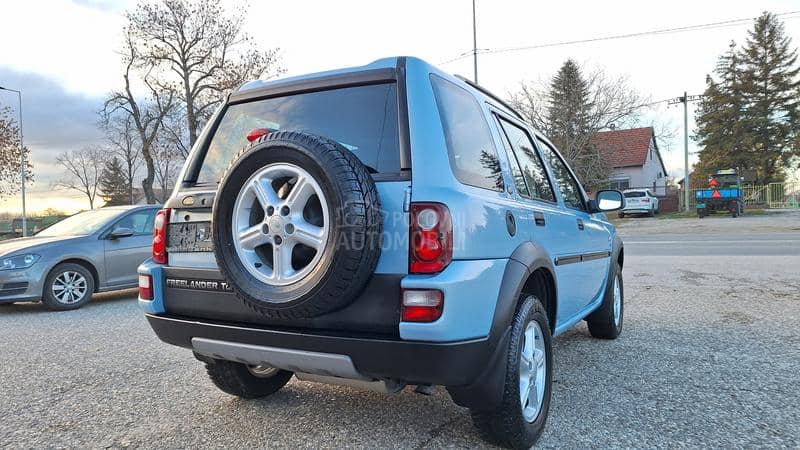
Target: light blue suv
383	226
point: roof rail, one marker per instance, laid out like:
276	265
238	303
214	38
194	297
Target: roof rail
491	95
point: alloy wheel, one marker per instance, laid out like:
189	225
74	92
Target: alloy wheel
532	371
280	224
69	287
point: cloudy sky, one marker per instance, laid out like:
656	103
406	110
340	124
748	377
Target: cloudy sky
61	54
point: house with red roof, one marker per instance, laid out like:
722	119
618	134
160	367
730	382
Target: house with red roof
634	159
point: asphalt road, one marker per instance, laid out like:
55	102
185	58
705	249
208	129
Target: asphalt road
709	357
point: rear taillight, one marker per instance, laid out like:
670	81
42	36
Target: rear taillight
646	200
430	238
160	236
422	305
145	287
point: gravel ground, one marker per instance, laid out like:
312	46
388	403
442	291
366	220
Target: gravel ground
709	358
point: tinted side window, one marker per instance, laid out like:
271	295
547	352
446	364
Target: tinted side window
532	167
473	156
567	184
516	171
140	222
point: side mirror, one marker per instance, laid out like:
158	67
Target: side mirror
609	200
120	232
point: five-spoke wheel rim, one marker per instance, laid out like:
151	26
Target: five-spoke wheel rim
617	301
280	224
532	371
69	287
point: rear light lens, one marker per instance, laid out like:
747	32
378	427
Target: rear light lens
160	236
422	305
646	200
145	287
430	238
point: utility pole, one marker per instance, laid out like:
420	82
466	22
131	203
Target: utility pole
474	43
21	162
685	99
685	152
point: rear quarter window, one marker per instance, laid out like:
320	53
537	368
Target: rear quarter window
473	156
362	118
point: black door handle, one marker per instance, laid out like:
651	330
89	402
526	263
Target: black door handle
580	224
538	217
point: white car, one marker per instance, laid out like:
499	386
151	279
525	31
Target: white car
639	201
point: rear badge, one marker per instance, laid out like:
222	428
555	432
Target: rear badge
199	285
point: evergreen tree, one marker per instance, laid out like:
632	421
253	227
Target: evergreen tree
770	81
569	109
749	118
721	131
114	183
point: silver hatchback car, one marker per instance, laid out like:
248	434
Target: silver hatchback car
93	251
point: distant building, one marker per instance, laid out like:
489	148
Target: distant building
634	158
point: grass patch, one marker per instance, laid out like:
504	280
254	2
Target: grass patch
693	214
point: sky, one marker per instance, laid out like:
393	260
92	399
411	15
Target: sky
63	54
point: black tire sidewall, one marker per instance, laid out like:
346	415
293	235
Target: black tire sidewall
601	322
47	295
506	425
233	378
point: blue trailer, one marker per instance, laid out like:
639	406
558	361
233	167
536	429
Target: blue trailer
723	194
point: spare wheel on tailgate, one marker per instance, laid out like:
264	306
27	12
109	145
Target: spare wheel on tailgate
296	225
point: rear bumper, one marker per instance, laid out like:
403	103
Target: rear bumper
637	209
448	364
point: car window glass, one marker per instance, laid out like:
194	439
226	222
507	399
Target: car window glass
531	164
83	223
473	156
634	194
567	184
361	118
140	222
516	172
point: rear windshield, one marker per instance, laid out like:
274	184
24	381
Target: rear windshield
634	194
361	118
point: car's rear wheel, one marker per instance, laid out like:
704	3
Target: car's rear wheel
522	414
246	381
67	286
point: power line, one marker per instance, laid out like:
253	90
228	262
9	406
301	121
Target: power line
705	26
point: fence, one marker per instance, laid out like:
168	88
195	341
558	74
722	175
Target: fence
773	195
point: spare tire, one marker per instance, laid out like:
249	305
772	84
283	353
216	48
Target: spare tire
296	225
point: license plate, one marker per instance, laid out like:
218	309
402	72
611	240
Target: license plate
189	237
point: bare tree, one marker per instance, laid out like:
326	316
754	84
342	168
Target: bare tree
9	155
200	51
83	169
146	115
168	160
122	137
571	108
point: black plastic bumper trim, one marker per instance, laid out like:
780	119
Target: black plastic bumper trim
446	364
